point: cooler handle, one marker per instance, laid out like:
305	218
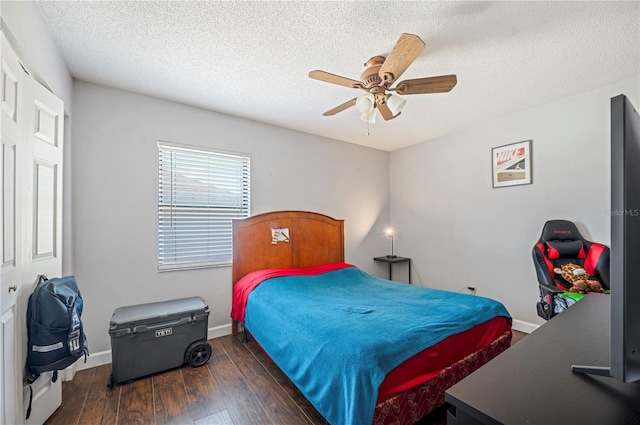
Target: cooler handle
145	328
133	330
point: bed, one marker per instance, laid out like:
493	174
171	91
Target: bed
360	348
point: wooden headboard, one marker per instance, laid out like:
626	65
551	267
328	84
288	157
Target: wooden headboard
313	239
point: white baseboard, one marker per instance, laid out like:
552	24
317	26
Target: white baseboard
95	360
104	357
219	331
525	327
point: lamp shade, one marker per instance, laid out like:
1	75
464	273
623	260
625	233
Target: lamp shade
369	117
395	104
365	103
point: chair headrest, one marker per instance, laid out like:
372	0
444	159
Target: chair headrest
565	249
560	230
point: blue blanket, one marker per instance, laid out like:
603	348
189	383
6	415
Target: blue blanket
336	335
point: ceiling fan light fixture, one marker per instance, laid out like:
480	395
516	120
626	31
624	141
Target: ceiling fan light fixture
369	117
380	74
366	103
395	104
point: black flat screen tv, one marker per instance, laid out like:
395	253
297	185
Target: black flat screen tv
625	245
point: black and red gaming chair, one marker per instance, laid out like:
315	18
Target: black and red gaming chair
561	243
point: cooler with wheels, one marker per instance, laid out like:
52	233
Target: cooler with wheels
153	337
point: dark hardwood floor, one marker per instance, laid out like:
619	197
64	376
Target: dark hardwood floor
240	385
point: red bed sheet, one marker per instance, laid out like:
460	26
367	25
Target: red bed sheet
427	364
244	286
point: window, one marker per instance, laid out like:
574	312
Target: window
199	192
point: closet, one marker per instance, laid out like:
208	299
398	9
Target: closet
31	217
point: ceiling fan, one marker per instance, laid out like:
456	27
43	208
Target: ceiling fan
378	77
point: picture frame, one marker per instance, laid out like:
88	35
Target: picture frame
511	165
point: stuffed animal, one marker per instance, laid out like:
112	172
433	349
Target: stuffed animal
579	279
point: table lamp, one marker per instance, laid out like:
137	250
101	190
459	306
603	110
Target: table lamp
390	234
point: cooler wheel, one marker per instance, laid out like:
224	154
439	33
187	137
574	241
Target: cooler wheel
198	354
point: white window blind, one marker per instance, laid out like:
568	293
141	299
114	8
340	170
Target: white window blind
199	192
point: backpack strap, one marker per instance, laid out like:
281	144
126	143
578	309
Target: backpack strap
30	400
31	378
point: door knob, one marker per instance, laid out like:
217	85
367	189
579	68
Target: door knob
13	288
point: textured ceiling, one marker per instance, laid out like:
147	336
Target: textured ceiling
252	59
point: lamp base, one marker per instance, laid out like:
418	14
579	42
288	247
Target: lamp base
392	256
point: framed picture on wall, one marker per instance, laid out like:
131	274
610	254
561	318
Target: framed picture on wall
511	164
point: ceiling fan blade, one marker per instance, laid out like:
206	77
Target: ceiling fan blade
386	112
340	108
333	79
441	84
402	55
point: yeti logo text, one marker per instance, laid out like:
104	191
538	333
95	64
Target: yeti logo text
163	332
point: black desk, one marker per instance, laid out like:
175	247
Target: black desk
392	261
532	382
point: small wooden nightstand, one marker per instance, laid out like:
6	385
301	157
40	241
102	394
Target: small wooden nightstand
392	260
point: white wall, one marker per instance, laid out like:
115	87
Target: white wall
460	231
115	196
